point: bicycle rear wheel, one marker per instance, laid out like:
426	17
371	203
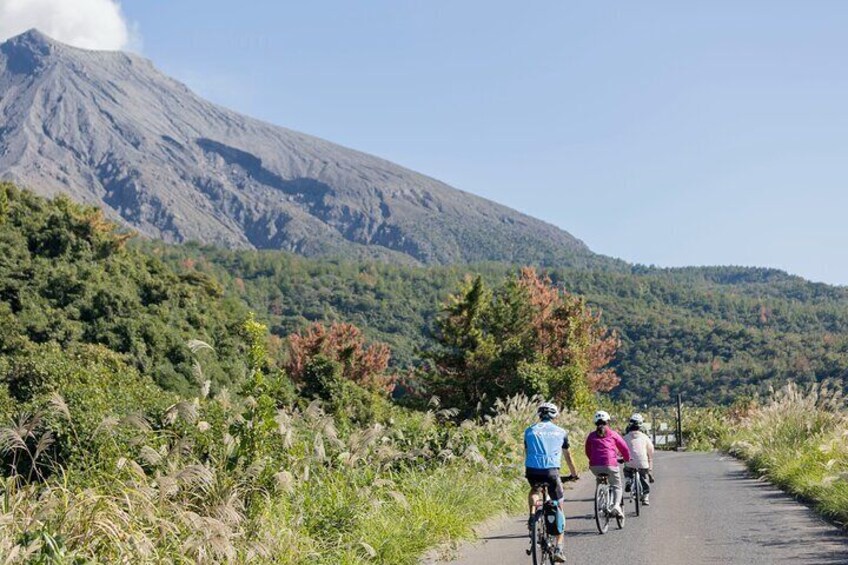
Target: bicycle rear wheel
537	538
636	491
601	502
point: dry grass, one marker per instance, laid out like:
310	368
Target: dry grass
185	490
799	441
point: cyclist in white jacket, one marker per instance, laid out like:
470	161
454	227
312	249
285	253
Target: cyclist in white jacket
641	456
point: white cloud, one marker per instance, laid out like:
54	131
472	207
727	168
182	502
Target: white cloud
91	24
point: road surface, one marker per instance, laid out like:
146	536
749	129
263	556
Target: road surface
705	508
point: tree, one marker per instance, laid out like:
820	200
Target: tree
4	202
362	364
526	336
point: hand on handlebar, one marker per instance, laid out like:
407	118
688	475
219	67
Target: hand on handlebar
569	478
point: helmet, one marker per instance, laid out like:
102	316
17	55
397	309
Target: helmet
547	410
601	416
637	419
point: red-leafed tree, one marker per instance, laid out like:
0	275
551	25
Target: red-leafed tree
343	344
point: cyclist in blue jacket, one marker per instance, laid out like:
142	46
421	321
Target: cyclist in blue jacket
544	446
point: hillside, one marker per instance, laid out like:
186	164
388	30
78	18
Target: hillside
67	279
713	334
107	128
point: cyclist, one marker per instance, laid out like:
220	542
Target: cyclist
641	455
603	448
544	445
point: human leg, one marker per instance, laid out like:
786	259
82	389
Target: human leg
616	484
628	478
534	497
643	477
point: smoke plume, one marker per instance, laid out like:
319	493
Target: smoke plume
91	24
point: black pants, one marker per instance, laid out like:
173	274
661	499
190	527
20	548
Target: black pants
643	477
550	478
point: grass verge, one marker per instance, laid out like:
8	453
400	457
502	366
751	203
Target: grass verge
798	440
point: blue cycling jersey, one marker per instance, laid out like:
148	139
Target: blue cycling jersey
543	445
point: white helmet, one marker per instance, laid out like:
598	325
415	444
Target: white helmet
601	416
637	419
547	410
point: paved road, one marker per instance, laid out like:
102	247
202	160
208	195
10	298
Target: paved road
704	508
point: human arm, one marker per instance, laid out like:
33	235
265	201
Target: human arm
568	459
570	462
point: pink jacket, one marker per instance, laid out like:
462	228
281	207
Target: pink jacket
603	451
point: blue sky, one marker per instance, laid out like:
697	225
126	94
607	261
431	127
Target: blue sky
668	133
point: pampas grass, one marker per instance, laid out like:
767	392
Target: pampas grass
798	440
182	492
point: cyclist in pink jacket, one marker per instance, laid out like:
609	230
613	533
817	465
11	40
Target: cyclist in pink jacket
604	446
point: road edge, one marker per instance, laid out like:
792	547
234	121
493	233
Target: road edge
806	501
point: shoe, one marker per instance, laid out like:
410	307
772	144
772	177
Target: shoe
616	511
627	486
645	500
559	556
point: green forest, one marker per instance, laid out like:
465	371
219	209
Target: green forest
712	334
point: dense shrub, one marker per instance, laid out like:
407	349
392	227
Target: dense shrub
67	277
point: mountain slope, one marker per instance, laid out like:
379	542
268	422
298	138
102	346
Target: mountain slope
109	129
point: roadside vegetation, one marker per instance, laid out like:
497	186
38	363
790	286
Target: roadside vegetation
131	478
797	439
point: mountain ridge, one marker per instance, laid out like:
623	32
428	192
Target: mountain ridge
109	129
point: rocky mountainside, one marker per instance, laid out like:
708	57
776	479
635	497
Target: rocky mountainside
109	129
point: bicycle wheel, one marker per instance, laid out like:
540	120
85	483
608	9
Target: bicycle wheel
537	538
636	491
601	514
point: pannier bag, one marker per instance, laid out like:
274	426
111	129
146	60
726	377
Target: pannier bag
554	518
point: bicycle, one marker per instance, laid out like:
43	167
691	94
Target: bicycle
604	503
542	544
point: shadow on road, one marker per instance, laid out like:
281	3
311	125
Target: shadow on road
505	536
